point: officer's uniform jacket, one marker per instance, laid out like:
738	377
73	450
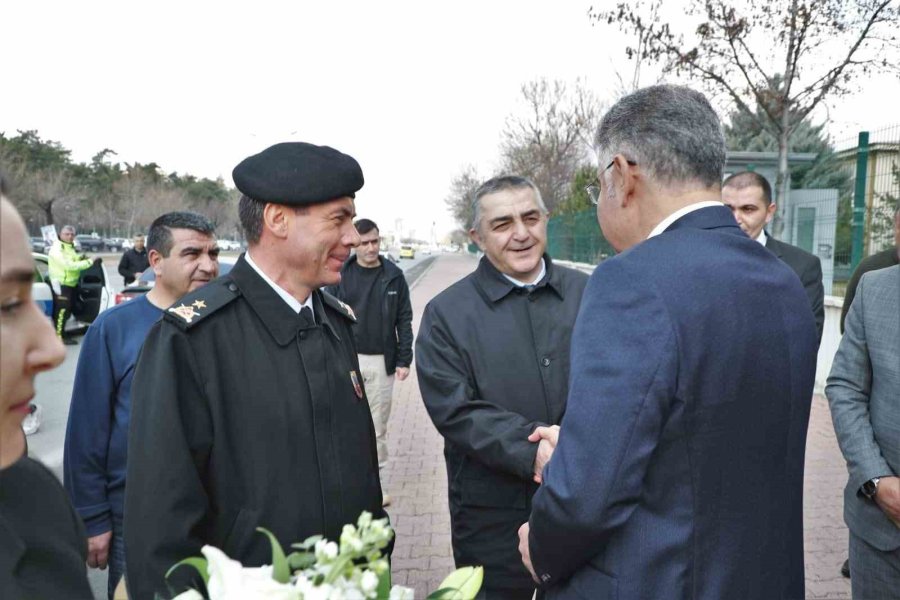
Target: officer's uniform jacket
493	364
244	416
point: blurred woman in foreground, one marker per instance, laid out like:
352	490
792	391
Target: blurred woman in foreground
42	544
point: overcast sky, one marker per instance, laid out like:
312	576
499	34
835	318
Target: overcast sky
413	90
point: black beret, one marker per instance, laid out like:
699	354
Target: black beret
298	174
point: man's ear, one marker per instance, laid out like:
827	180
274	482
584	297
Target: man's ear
155	258
625	179
476	238
770	212
275	219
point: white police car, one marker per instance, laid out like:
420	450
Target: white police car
94	293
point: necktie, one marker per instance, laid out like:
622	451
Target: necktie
306	317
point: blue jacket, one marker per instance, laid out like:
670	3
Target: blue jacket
97	432
679	469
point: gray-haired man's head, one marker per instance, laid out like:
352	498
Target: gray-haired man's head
510	226
671	131
660	148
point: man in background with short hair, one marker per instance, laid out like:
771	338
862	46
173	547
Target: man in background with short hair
184	256
376	289
749	196
134	261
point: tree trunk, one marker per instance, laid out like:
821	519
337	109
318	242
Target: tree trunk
782	179
48	212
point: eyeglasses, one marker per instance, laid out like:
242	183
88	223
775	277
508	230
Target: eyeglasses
593	190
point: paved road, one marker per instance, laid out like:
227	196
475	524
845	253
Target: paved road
416	478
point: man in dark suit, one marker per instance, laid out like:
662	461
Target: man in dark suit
749	196
679	466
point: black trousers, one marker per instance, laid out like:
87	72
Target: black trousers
62	308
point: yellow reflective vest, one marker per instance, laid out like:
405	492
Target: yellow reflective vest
66	264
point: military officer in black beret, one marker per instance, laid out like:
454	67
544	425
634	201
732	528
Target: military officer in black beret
248	409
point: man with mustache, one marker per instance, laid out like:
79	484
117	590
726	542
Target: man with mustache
184	256
249	409
493	367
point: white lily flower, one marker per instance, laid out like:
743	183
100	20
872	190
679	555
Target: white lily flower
327	550
398	592
189	595
368	583
229	580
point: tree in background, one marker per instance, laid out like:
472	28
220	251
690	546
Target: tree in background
462	192
41	175
820	48
552	138
104	195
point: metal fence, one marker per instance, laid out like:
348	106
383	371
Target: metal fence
841	225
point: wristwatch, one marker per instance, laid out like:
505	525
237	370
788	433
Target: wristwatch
870	488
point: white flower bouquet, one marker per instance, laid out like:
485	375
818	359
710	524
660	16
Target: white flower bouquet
318	569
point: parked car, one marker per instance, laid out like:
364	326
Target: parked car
407	252
88	243
94	293
39	245
115	244
229	245
148	279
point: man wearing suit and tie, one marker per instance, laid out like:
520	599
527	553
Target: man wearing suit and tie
679	466
863	390
749	196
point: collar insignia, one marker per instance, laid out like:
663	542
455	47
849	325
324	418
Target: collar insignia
348	309
199	304
356	387
187	312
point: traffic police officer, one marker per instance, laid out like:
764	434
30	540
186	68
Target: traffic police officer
248	409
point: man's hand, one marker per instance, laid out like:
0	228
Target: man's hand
401	373
98	550
888	498
525	551
547	438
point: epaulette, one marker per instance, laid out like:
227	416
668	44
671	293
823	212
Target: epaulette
341	307
195	306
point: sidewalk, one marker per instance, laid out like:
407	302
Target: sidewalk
416	478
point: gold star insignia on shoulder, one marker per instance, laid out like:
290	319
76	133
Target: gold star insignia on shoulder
349	310
199	304
185	312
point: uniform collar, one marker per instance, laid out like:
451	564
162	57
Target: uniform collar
496	286
279	318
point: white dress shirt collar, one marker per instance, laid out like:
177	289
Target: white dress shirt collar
295	304
664	224
761	238
540	276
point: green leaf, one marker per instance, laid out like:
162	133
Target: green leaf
197	562
444	594
309	543
384	584
301	560
280	571
466	581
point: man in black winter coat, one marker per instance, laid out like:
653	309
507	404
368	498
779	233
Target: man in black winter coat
377	291
134	261
492	359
